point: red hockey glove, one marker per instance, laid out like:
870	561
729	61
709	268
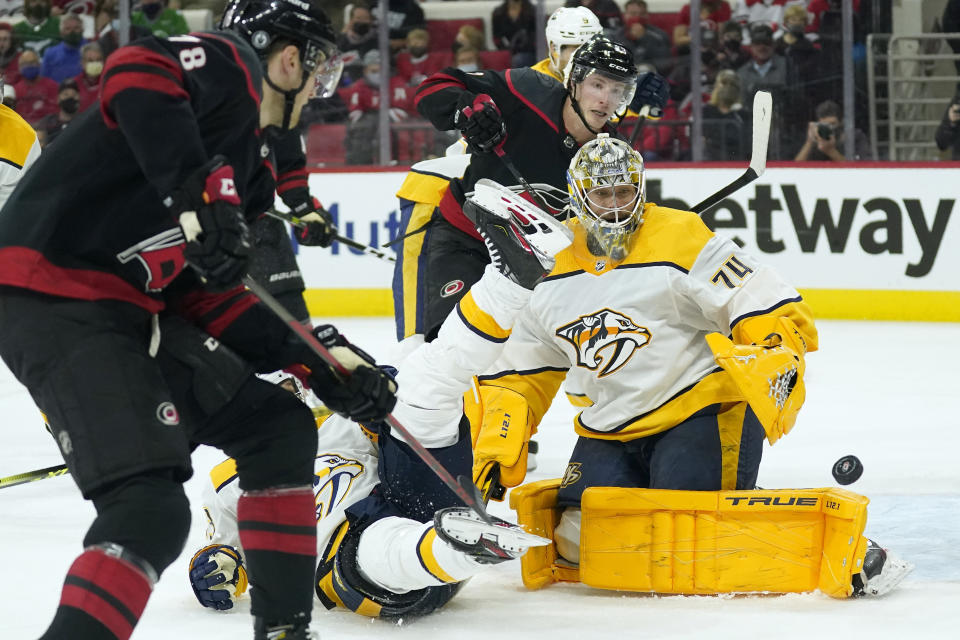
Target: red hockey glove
481	123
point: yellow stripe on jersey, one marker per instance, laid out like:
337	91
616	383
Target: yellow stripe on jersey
412	247
423	188
479	320
730	425
428	560
223	473
538	387
544	67
17	139
714	388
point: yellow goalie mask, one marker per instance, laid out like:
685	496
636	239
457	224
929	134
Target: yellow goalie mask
607	194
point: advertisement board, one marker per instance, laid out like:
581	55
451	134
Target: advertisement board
858	242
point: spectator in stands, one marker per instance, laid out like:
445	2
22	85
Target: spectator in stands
950	23
418	62
467	60
9	96
732	54
805	62
9	54
514	30
39	30
469	36
363	102
62	60
36	95
948	133
765	70
161	20
794	33
726	124
88	81
77	7
747	13
105	12
648	42
68	100
607	12
824	141
713	13
357	38
402	16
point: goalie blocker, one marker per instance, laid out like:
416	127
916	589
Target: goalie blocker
706	542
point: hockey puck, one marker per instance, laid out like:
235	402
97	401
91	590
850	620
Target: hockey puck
847	469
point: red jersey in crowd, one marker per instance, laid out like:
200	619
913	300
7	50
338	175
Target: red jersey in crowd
718	16
88	88
36	98
362	96
415	70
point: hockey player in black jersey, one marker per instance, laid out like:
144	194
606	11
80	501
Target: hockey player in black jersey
120	260
537	123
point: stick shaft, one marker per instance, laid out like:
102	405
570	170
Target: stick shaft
33	476
297	222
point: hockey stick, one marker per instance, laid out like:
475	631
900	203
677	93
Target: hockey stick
32	476
463	487
537	200
762	113
297	222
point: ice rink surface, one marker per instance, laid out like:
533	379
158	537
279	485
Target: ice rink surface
887	392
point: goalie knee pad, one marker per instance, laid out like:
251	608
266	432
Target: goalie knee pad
148	515
339	582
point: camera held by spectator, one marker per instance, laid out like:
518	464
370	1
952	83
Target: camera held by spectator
825	137
948	133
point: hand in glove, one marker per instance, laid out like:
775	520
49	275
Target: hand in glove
218	576
368	395
652	92
208	209
481	123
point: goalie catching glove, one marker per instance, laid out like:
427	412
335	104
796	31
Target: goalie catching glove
208	210
368	395
768	372
218	576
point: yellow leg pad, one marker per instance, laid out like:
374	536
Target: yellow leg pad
705	542
537	512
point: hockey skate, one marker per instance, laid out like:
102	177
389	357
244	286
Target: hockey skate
296	630
882	572
487	543
522	239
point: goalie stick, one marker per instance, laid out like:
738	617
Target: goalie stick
762	108
32	476
463	487
297	222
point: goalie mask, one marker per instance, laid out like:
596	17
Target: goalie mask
302	23
601	70
607	194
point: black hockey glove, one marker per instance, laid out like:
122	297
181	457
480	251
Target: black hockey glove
653	92
368	395
318	229
209	212
481	123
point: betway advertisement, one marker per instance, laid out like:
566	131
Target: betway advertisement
830	231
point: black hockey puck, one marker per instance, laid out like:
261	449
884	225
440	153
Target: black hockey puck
847	469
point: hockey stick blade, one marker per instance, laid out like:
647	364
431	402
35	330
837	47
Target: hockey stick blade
353	244
762	114
304	334
33	476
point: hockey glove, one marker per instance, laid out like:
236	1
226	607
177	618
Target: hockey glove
368	395
481	123
319	229
652	92
208	210
218	576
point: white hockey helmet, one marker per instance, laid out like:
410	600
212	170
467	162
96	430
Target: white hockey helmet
286	380
569	26
607	194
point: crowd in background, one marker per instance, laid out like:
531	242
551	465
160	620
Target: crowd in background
792	48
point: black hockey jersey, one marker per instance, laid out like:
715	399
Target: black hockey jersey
537	141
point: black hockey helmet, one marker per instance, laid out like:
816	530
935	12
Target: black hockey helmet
602	55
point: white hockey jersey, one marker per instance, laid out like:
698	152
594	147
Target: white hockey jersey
19	148
631	336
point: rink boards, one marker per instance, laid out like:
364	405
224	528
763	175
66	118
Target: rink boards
859	241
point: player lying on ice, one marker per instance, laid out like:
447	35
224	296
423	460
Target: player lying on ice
693	352
392	540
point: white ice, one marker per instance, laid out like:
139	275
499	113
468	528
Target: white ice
887	392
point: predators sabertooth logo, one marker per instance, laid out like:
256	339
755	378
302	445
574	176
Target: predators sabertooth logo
332	478
605	340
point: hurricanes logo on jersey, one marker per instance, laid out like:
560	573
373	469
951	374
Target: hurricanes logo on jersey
605	340
331	481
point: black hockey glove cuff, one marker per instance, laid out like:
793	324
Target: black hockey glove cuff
369	393
479	120
208	210
652	92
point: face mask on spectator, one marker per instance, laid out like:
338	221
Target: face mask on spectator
38	12
468	67
30	72
69	105
93	68
372	79
361	28
416	52
796	30
151	10
73	39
